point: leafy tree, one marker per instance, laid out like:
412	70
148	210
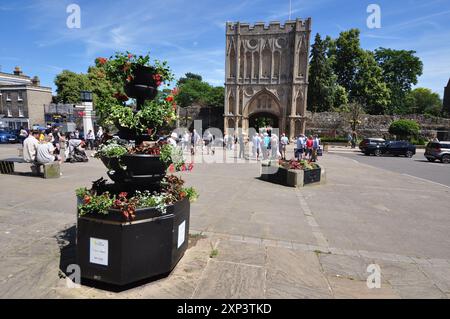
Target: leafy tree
103	90
401	70
193	90
189	76
322	81
404	129
353	111
423	101
346	58
69	85
369	86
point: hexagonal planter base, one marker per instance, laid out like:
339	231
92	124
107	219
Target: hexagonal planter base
121	253
289	177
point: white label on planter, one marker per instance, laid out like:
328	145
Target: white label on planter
99	251
181	233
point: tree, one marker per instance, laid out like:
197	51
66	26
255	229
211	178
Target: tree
369	86
346	58
103	90
69	85
354	111
423	101
193	90
322	81
189	76
404	129
401	70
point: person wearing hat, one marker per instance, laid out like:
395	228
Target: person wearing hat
172	140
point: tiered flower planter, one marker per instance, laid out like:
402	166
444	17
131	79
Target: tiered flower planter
117	250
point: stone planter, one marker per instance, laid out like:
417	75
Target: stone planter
290	177
119	252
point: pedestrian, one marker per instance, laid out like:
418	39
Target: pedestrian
265	145
349	139
30	146
77	134
23	134
172	140
90	139
241	142
208	141
284	142
299	148
309	147
316	146
274	146
354	139
98	136
45	152
258	146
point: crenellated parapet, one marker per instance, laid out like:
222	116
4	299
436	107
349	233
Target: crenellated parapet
299	25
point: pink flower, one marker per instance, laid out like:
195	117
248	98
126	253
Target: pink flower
171	168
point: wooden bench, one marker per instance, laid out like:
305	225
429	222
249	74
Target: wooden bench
50	170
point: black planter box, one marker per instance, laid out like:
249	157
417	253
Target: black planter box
311	176
117	252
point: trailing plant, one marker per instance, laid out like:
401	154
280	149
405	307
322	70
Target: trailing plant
114	148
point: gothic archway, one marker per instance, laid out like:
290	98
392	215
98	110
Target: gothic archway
264	107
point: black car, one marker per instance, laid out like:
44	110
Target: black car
369	143
395	148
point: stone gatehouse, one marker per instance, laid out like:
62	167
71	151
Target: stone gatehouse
267	74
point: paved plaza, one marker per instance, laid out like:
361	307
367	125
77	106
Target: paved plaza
249	238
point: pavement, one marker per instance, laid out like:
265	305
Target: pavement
270	241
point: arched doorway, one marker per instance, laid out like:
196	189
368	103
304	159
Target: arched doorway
262	120
262	110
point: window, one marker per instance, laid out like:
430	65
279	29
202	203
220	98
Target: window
19	96
8	111
8	96
20	110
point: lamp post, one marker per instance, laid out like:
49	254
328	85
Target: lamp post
86	102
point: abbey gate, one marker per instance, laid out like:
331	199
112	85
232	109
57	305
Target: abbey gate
267	75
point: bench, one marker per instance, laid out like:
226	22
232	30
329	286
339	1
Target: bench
50	170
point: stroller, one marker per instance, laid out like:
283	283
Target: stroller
75	151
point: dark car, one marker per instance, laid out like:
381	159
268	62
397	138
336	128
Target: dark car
395	148
370	143
438	151
8	137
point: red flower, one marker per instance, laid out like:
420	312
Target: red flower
117	203
158	83
183	167
123	195
102	61
121	97
175	91
126	67
130	56
129	78
169	98
157	77
171	168
87	199
191	166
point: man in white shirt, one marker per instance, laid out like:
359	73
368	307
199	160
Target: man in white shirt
45	152
284	141
30	145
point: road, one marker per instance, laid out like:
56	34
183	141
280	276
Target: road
417	166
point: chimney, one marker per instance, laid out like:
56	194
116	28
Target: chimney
17	71
35	80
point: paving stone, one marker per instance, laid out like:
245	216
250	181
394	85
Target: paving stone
344	288
240	252
225	280
344	266
439	275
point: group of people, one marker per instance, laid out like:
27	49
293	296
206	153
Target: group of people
44	146
265	145
307	147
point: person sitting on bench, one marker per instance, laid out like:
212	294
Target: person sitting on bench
46	152
30	145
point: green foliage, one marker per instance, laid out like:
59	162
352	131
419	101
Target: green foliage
172	155
424	101
69	86
191	194
192	90
96	204
111	149
369	87
322	88
401	70
347	56
404	129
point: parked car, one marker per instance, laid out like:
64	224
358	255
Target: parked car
8	137
438	151
370	143
395	148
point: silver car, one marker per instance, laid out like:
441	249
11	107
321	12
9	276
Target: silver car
438	151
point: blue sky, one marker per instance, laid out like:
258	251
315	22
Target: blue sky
190	35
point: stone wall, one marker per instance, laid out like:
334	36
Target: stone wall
338	124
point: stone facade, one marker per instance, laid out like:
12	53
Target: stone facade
447	98
338	124
22	100
267	74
